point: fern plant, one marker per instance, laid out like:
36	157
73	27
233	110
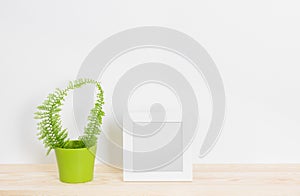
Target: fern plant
50	125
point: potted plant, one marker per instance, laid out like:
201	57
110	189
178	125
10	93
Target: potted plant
75	158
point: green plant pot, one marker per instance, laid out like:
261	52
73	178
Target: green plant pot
75	165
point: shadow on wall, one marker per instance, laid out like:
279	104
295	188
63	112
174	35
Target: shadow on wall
110	152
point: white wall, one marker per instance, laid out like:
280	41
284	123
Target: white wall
255	45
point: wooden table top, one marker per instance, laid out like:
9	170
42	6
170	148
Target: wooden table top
216	179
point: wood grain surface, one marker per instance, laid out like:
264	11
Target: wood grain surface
218	179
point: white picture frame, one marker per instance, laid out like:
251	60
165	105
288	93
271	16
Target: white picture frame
182	173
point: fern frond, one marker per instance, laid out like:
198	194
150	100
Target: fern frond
50	124
93	128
